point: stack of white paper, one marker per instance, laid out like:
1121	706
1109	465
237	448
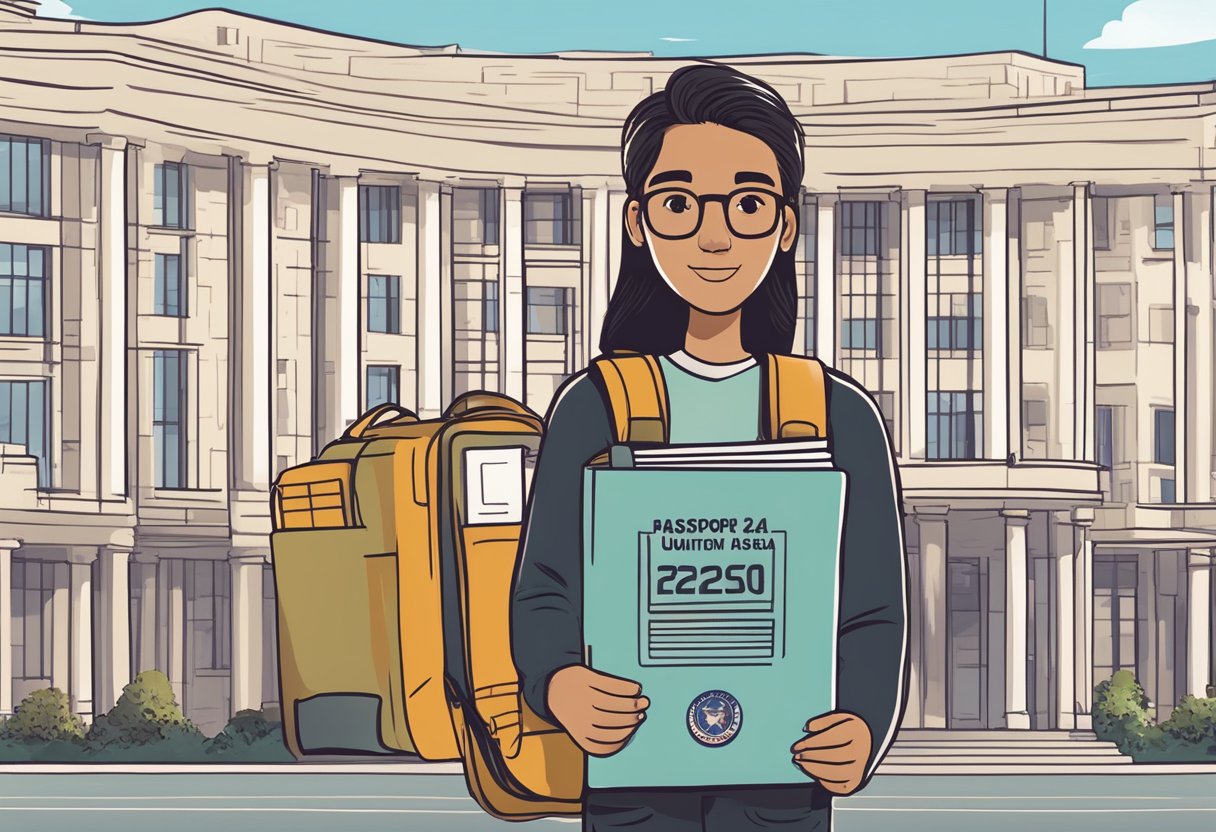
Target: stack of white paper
808	453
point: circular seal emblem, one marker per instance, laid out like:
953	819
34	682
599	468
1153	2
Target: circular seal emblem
714	718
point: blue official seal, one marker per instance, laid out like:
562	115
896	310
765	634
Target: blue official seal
714	718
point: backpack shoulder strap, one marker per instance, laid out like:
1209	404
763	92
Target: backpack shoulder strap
636	395
796	398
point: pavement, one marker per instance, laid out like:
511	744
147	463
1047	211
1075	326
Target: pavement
424	798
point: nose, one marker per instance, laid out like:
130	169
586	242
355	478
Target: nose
714	235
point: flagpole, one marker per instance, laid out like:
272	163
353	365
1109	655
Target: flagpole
1044	28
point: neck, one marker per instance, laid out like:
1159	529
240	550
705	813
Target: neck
717	339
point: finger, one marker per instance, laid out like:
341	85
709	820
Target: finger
839	757
619	704
611	736
824	722
616	719
614	685
823	775
828	739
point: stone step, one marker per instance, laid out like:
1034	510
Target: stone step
994	734
1019	747
1013	749
911	761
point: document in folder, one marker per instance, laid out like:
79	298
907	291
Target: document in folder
710	576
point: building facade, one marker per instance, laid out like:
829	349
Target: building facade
222	238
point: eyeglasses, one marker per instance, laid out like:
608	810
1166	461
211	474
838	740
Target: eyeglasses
676	213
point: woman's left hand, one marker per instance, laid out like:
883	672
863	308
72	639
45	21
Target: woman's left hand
836	751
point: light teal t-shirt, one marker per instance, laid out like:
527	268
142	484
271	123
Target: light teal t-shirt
703	409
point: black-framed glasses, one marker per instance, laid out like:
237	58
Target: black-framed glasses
676	213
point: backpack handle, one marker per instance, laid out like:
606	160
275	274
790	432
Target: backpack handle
483	400
368	419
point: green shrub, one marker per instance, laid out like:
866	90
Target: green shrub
1120	708
250	736
44	716
1193	721
146	713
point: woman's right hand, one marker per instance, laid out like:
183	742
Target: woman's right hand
600	712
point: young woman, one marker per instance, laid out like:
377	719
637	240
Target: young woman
713	165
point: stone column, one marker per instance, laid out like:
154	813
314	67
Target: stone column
112	292
934	597
247	567
917	320
601	264
914	713
1083	444
1065	620
1199	629
81	693
443	361
346	337
512	294
61	628
1083	619
430	307
996	335
1013	314
1183	442
144	579
253	430
114	668
1016	715
171	623
825	278
1199	349
7	547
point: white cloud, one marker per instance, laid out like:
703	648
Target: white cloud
678	40
1149	23
57	8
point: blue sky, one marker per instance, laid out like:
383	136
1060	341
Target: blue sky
1119	41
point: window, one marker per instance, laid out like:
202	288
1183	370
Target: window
210	614
953	227
1163	221
859	229
33	588
1114	615
1036	328
475	215
1114	315
1034	421
1101	210
489	311
383	385
171	195
859	334
1160	324
23	284
383	303
954	424
169	289
25	174
963	329
379	214
169	417
549	219
25	420
1168	493
1105	427
1163	435
548	309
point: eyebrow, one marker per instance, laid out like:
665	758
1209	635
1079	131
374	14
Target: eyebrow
753	176
670	176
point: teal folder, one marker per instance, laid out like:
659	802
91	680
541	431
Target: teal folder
716	590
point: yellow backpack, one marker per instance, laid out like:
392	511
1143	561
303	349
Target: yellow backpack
394	591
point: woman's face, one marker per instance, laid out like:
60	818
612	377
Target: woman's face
716	268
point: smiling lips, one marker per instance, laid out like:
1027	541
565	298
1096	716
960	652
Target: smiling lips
715	274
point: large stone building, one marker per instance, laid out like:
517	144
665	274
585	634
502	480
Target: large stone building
221	238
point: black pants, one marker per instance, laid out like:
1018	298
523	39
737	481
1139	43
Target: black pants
792	808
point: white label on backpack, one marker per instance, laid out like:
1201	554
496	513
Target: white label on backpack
494	485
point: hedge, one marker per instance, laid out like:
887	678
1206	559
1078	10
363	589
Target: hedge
1120	715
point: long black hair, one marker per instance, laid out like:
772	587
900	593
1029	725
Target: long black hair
644	313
